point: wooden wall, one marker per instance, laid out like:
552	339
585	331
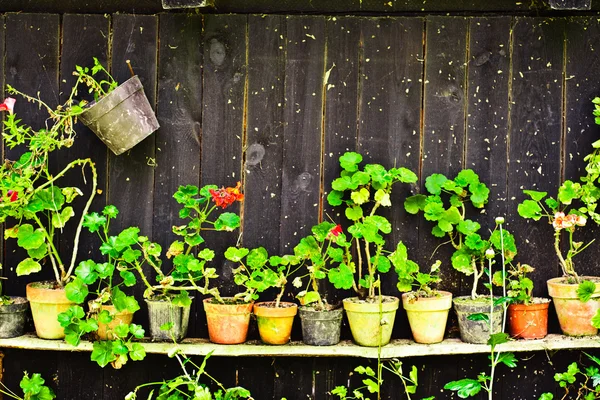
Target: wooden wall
273	100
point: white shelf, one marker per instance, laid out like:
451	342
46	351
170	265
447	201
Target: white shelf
399	348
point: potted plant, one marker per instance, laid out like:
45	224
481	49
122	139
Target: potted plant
446	206
110	312
30	194
321	321
364	192
121	116
168	299
527	315
427	308
34	388
228	318
12	314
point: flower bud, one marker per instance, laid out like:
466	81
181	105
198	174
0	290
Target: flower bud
489	253
499	220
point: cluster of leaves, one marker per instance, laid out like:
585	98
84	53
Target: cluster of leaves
363	192
33	388
469	387
326	245
259	271
446	207
409	275
98	87
373	381
29	192
519	287
589	381
188	385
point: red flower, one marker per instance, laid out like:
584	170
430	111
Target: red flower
225	197
13	195
8	105
335	231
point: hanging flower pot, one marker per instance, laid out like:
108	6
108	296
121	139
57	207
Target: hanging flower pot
275	323
477	330
371	323
427	316
320	327
122	118
227	322
574	315
118	317
47	301
12	317
161	313
529	321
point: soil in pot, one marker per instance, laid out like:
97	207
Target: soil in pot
529	321
574	316
227	322
12	318
275	323
477	331
427	316
321	327
370	322
47	300
122	118
119	317
164	312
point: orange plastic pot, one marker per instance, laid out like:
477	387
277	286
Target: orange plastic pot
574	316
46	303
119	317
528	321
427	316
275	323
227	323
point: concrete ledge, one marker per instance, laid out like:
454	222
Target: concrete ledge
399	348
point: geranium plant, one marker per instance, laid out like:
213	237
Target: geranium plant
101	279
519	287
410	278
319	252
446	206
29	191
363	192
33	388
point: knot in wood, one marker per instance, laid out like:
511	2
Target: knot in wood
255	154
217	52
303	181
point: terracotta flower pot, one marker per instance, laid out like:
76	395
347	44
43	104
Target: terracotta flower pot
227	323
528	321
119	317
368	327
427	316
46	303
574	316
275	323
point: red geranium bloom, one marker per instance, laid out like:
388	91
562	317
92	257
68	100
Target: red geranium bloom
8	105
225	197
335	231
13	195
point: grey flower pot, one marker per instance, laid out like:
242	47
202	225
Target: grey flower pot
12	318
320	328
163	312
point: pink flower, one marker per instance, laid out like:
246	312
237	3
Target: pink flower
567	222
8	105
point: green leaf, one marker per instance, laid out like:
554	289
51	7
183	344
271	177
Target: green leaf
585	290
530	209
110	211
38	253
434	182
414	204
86	271
468	227
137	331
568	192
361	196
546	396
127	237
102	353
128	278
227	222
121	330
32	385
30	239
310	297
60	219
461	261
28	266
104	317
371	385
341	277
508	359
105	270
383	198
349	161
479	194
182	299
465	387
466	177
236	254
354	213
76	291
498	338
51	199
137	352
334	198
478	317
474	242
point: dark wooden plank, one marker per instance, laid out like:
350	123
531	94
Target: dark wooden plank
74	6
180	115
83	37
301	179
535	135
17	361
390	118
583	38
294	377
264	134
258	376
31	65
444	124
73	370
131	177
224	82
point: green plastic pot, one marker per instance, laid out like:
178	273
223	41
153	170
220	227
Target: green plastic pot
371	323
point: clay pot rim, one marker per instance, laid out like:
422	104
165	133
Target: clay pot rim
263	310
46	295
353	304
